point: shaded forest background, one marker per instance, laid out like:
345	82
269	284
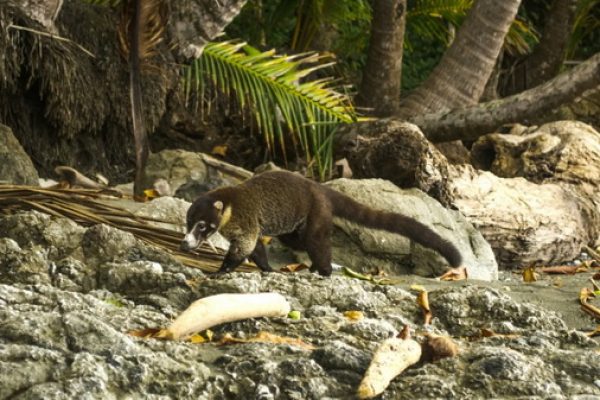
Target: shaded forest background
69	108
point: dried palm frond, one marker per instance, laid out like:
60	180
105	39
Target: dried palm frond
90	206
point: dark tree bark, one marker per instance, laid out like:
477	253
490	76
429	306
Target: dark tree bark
470	123
380	86
549	54
196	22
460	77
547	57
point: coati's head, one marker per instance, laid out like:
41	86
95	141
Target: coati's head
204	217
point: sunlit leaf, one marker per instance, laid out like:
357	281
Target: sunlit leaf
354	315
529	274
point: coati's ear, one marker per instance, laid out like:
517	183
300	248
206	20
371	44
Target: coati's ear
218	205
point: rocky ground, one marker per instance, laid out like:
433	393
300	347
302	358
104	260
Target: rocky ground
69	296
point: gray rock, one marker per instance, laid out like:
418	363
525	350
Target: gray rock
65	323
59	236
365	249
176	167
15	165
463	311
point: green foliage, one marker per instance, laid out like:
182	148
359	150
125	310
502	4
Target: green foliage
585	39
271	87
438	19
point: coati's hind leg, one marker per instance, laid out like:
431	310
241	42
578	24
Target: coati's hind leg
317	237
259	257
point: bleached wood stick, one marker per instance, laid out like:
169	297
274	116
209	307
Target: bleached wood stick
391	358
221	308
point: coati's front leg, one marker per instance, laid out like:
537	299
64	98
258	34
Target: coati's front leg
259	257
239	250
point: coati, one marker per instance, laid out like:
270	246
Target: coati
299	212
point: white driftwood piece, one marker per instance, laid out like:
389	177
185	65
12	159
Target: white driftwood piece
391	358
222	308
539	203
525	223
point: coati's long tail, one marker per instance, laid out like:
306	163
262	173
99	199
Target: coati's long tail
344	207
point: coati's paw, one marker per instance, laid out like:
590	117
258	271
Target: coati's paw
326	271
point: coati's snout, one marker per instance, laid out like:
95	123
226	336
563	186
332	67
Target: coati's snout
203	220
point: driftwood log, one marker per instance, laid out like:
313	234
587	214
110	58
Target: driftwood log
533	194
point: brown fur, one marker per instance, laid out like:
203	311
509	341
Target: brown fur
300	212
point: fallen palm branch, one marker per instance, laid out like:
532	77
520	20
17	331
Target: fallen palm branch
91	206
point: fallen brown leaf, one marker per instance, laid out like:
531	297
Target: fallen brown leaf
529	274
423	302
595	332
144	333
557	282
485	332
294	267
455	274
266	239
266	337
219	151
585	294
437	347
563	269
404	333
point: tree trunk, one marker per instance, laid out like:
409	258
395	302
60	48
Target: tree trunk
528	106
196	22
394	150
380	86
460	77
547	58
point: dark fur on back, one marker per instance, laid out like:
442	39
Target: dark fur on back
300	213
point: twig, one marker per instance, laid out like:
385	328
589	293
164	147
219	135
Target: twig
51	36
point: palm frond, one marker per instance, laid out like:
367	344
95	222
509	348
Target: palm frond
430	18
271	87
521	37
586	23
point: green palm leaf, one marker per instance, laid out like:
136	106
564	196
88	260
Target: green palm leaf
271	87
433	18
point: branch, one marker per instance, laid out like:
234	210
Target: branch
472	122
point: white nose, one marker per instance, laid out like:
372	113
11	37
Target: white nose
190	241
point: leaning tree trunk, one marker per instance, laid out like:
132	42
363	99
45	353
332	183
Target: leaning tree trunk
530	106
460	77
546	218
380	86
